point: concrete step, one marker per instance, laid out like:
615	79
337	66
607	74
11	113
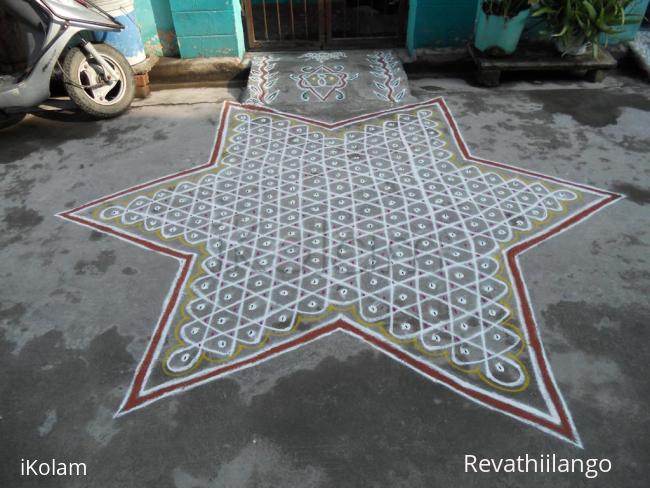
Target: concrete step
323	83
641	49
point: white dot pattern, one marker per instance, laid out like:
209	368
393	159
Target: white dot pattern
381	217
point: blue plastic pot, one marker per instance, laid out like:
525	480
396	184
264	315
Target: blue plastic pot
499	35
636	10
127	41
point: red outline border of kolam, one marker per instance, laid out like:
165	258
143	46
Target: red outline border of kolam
558	422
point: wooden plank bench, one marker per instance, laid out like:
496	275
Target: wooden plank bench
539	56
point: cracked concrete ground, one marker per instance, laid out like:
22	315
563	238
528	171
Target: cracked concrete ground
77	308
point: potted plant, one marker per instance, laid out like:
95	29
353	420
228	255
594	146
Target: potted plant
577	24
499	25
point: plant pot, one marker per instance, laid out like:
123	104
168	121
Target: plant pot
572	46
497	35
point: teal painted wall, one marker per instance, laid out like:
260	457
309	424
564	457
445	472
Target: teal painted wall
154	17
207	28
440	23
195	28
450	23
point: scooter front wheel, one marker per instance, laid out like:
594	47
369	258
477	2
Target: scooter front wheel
87	88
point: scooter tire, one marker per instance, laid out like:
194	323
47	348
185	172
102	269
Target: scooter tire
84	98
9	120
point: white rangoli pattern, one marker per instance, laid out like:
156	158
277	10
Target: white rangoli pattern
262	81
381	220
385	67
323	56
319	83
327	77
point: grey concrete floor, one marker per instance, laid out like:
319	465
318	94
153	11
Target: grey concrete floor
77	308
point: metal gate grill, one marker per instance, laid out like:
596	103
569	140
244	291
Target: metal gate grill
285	24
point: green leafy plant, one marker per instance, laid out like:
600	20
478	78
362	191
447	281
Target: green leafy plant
506	8
583	21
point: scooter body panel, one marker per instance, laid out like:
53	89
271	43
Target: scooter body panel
35	88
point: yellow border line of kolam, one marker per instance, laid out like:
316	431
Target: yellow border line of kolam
188	294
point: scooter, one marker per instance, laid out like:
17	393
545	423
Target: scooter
97	77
